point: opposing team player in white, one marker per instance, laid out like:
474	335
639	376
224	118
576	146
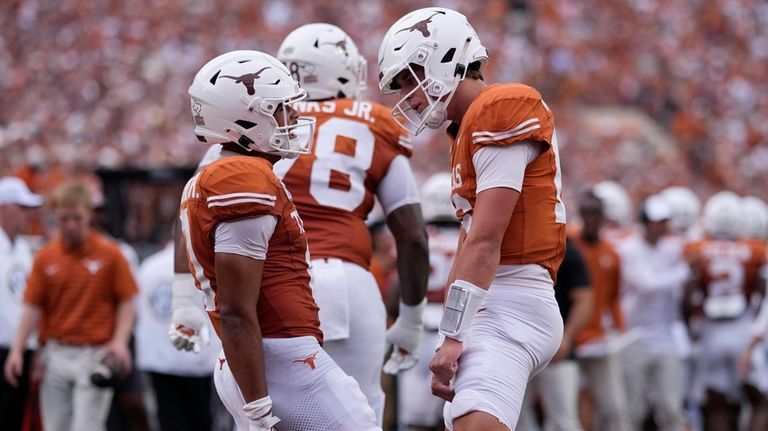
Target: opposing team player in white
417	408
501	322
247	252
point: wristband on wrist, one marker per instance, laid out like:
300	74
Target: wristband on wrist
464	299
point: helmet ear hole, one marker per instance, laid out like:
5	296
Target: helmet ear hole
215	77
245	124
448	56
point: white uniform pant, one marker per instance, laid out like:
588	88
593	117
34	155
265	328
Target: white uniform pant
605	381
308	390
654	379
722	342
509	342
68	399
354	323
557	386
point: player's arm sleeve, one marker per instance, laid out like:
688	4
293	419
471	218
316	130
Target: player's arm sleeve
246	237
504	166
398	187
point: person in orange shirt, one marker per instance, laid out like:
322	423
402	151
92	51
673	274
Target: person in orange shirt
80	298
603	370
501	318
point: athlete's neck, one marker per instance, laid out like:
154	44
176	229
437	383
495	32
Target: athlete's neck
466	93
231	146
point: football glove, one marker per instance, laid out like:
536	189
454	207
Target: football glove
260	414
405	337
188	320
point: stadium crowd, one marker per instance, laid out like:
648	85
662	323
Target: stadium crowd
102	83
647	95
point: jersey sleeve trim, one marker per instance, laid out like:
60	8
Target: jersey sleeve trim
520	129
238	198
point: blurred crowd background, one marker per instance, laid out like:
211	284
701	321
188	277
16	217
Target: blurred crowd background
648	93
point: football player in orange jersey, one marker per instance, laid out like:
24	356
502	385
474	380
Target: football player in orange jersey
725	278
360	154
501	321
247	252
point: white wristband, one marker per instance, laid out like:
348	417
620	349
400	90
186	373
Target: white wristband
413	314
184	292
258	408
260	413
461	305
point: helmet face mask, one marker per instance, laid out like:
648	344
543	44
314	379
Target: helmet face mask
436	97
240	98
325	61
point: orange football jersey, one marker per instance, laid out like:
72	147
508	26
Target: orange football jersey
726	268
503	115
333	188
236	187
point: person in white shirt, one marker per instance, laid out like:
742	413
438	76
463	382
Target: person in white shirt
182	381
15	263
653	275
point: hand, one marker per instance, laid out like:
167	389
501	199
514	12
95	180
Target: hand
444	365
120	354
405	337
14	365
188	329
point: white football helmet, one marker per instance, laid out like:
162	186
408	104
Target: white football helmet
325	61
684	205
436	199
442	42
617	206
235	98
722	215
754	218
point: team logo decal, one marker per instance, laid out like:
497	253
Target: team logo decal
421	26
247	79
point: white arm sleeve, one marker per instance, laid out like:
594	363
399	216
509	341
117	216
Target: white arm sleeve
246	237
398	187
504	166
